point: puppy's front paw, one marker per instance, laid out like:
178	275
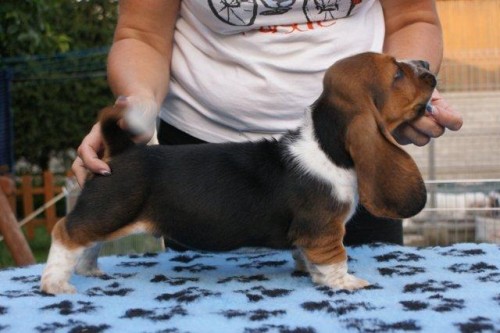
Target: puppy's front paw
336	276
348	282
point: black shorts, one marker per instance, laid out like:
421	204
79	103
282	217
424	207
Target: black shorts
363	227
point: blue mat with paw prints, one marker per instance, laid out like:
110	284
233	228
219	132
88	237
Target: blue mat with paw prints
439	289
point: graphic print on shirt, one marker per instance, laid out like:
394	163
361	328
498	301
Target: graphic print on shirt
324	10
245	12
235	12
277	7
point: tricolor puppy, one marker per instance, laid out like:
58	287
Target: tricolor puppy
298	191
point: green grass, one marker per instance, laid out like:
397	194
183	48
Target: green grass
39	246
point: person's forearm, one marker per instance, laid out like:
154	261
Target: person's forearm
134	69
139	60
413	31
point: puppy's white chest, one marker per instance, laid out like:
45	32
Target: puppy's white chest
315	162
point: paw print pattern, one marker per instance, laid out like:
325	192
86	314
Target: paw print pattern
187	295
3	310
255	315
480	267
279	328
249	257
338	307
377	325
463	253
173	281
244	279
115	276
67	308
186	259
491	277
156	314
430	286
195	268
19	293
399	256
261	264
72	326
335	292
477	324
113	289
260	293
27	279
437	303
135	264
401	270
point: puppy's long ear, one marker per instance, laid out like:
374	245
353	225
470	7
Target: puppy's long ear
389	182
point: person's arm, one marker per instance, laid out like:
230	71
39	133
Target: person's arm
138	71
413	31
139	60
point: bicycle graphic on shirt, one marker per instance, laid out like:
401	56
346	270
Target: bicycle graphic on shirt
244	12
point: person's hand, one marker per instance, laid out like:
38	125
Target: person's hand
140	117
433	124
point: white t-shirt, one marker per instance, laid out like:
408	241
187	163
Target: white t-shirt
247	69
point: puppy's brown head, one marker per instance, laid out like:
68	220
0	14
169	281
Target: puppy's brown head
374	94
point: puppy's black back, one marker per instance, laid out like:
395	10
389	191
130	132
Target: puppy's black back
210	197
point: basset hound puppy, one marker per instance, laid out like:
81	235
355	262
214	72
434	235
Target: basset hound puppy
298	191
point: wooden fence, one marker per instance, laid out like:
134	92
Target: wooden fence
26	196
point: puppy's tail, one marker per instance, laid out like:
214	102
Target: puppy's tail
116	139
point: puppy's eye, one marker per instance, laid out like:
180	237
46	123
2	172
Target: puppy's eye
399	74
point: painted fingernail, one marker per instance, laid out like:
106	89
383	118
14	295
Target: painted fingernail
105	173
431	109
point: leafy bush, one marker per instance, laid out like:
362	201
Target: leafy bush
57	93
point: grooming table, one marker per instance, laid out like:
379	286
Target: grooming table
439	289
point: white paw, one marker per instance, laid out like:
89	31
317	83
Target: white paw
348	282
57	287
336	276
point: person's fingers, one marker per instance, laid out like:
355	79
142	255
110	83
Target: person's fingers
92	161
439	117
428	126
89	151
406	134
79	170
445	114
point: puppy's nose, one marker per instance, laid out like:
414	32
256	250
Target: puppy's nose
424	64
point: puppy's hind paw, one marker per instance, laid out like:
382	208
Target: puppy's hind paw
56	288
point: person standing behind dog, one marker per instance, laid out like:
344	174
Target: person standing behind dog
235	70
